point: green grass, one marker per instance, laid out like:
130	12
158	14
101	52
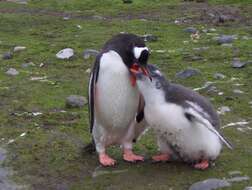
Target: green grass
50	156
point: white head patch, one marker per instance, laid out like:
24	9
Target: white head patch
138	51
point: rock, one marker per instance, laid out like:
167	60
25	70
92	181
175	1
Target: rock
201	49
210	184
188	73
223	109
219	76
225	39
248	188
25	65
225	18
12	72
127	1
75	101
66	53
236	63
19	48
90	52
207	86
88	71
234	173
237	91
18	1
191	30
149	38
7	55
238	179
227	45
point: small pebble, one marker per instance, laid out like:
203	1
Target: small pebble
90	52
236	63
75	101
188	73
19	48
12	72
7	55
237	91
191	30
219	76
66	53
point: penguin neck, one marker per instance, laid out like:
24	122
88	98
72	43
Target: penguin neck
154	97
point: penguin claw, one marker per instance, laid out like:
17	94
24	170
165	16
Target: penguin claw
105	160
129	156
161	158
202	165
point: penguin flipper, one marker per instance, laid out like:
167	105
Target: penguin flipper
192	115
91	90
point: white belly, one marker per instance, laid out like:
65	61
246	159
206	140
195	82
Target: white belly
116	99
192	140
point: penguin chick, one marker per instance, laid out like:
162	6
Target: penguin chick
185	122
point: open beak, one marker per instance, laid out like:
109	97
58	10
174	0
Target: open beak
145	71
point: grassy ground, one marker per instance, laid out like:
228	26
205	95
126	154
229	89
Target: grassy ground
50	155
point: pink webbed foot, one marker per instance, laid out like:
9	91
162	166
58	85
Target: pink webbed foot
129	156
105	160
202	165
161	157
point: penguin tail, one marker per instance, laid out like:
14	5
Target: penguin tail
90	147
192	115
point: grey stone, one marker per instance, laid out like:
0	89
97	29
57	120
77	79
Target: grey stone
12	72
223	109
191	30
201	49
25	65
75	101
248	188
236	63
149	38
225	39
219	76
7	55
188	73
19	1
238	179
66	53
234	173
19	48
227	45
237	91
90	52
225	18
210	184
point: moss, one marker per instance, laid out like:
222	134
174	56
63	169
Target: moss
51	156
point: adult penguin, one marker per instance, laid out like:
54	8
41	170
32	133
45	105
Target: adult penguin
114	99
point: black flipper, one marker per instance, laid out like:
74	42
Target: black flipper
91	90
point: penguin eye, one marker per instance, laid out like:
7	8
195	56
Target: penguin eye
158	85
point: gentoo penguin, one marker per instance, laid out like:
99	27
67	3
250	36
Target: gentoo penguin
114	99
185	122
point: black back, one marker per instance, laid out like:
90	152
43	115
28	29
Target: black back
179	95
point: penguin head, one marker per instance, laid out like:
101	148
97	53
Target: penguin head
147	86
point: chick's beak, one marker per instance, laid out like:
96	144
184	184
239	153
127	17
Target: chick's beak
146	72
